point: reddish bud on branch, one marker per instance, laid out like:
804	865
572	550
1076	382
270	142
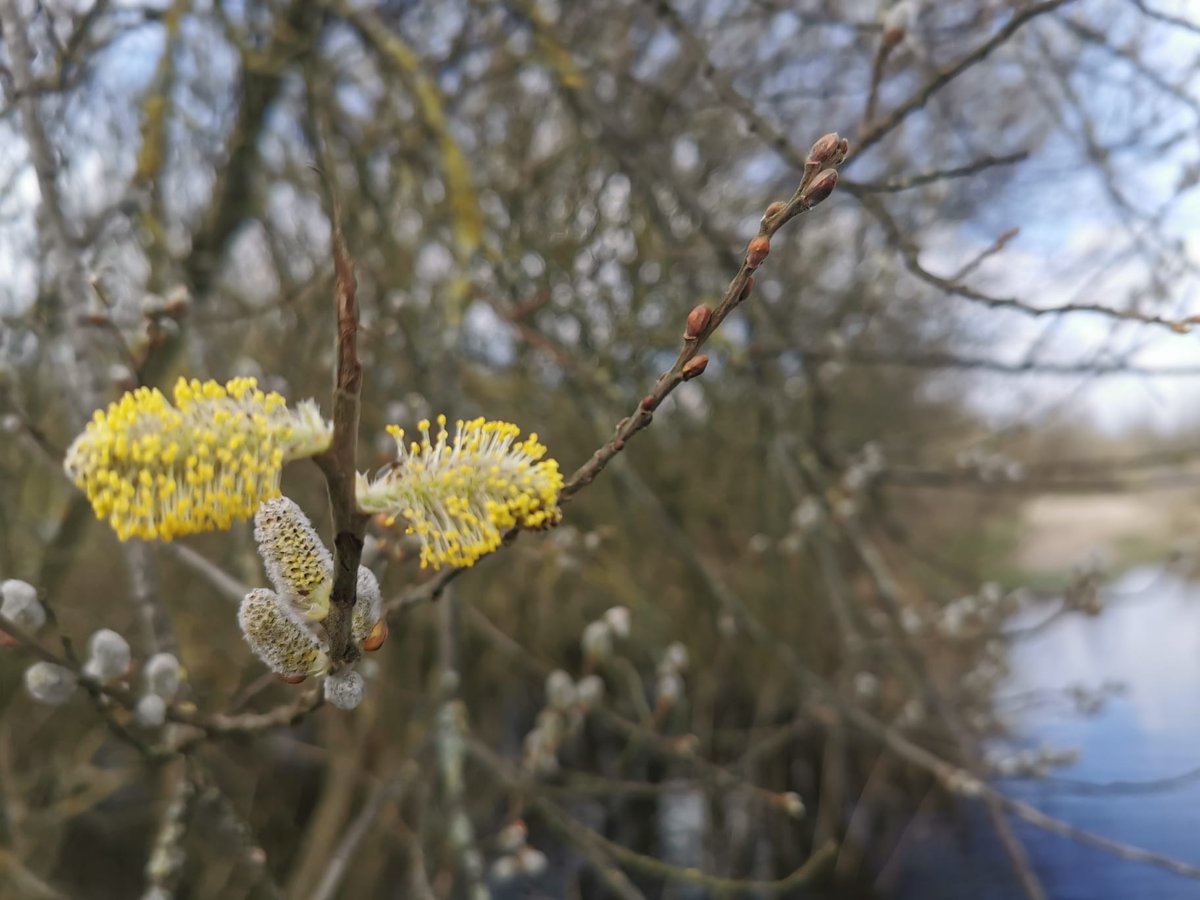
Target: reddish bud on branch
377	636
697	321
695	366
822	186
291	679
648	402
826	150
757	251
774	209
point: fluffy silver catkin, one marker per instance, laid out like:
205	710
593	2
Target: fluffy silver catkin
345	689
163	675
108	656
151	711
368	606
19	604
50	683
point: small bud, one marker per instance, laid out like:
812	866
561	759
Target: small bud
618	620
19	604
108	656
792	804
345	689
757	251
378	635
893	36
774	209
826	151
163	675
590	691
820	188
49	683
697	321
648	402
560	690
122	377
512	837
746	289
292	679
505	868
676	656
597	641
695	366
151	711
669	689
531	861
177	303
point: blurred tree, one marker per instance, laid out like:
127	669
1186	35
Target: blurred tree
536	194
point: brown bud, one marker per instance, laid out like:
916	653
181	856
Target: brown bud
378	635
697	321
774	209
176	306
291	679
618	445
7	640
1181	327
825	150
746	289
757	251
820	188
648	402
96	319
892	37
694	366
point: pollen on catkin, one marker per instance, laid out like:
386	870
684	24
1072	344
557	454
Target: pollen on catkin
286	646
296	560
157	469
460	494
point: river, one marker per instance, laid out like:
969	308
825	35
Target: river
1148	640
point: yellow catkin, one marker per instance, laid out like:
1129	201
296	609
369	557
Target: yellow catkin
460	494
157	469
297	563
285	645
301	568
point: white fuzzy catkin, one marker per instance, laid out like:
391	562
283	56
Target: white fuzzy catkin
108	656
560	690
19	604
589	690
618	620
151	711
345	689
368	607
50	683
597	641
163	675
